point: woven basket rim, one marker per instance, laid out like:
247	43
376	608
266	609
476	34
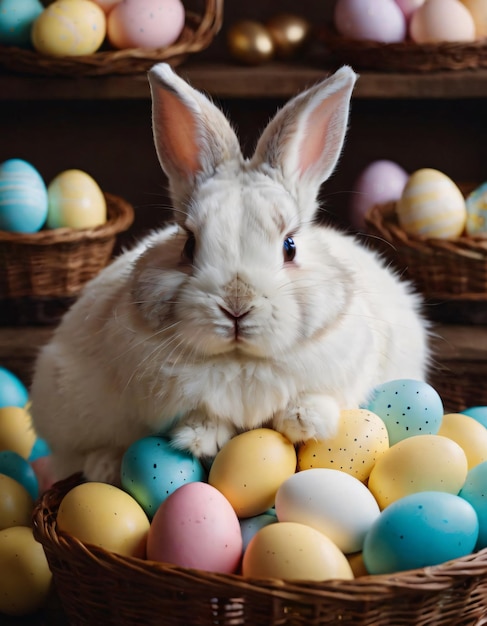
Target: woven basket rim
435	578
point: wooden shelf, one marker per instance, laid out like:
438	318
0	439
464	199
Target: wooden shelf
274	80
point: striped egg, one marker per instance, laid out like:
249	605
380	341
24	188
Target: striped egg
23	197
431	205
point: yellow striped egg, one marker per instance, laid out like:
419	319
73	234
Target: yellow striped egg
432	206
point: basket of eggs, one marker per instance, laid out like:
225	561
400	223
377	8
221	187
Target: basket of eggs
53	239
100	37
408	35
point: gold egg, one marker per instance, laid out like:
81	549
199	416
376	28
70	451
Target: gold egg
289	33
250	42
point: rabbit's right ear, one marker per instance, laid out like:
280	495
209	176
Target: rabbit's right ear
192	136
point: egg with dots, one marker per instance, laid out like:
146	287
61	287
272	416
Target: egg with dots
438	21
69	28
432	206
23	197
16	19
372	20
196	527
474	491
360	439
145	23
75	200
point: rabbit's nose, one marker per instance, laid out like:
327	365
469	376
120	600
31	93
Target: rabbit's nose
233	313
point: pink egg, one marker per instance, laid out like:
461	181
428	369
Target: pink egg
442	20
196	527
409	6
373	20
380	182
145	23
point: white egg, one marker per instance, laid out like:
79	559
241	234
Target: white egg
442	20
373	20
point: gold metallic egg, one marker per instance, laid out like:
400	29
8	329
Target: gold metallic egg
250	42
289	33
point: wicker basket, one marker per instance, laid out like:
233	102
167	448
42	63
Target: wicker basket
99	587
198	33
42	273
405	56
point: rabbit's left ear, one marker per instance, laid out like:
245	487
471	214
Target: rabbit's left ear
305	138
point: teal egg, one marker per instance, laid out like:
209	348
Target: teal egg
250	525
478	413
16	19
12	391
23	197
474	491
15	466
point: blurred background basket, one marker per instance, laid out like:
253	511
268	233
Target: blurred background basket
42	273
199	30
99	587
404	56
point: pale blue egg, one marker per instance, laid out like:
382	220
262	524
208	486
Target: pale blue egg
16	19
478	413
250	525
12	390
23	197
474	491
152	469
407	407
419	530
15	466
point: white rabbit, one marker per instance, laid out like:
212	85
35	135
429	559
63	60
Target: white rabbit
242	313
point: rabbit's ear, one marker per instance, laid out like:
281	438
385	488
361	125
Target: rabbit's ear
305	138
192	136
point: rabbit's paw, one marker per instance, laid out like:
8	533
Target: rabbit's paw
201	435
103	465
311	416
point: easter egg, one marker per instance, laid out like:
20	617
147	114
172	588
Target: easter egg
431	206
26	587
39	449
470	435
419	463
474	491
251	486
105	516
360	439
374	20
106	5
478	10
152	469
478	413
332	502
75	201
16	431
23	197
18	468
442	20
292	551
250	42
251	525
408	7
69	28
288	32
407	407
476	203
196	527
420	530
16	19
16	503
145	23
12	390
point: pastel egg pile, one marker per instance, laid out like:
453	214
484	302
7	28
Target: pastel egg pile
420	21
73	199
81	27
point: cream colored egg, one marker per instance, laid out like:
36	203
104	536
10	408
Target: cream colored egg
360	439
16	431
419	463
437	21
478	9
470	435
16	503
291	551
26	579
432	206
69	28
75	201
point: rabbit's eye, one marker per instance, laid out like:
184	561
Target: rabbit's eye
289	249
189	246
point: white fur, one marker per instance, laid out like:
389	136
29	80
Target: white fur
151	345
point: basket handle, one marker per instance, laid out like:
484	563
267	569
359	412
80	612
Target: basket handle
209	26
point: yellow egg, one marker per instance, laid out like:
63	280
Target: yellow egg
75	201
470	435
16	431
478	9
26	578
250	468
419	463
16	504
69	28
292	551
357	564
361	438
432	205
105	516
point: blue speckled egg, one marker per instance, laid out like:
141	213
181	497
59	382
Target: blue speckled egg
250	525
476	203
474	491
407	407
420	530
478	413
12	390
15	466
23	197
152	469
16	19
